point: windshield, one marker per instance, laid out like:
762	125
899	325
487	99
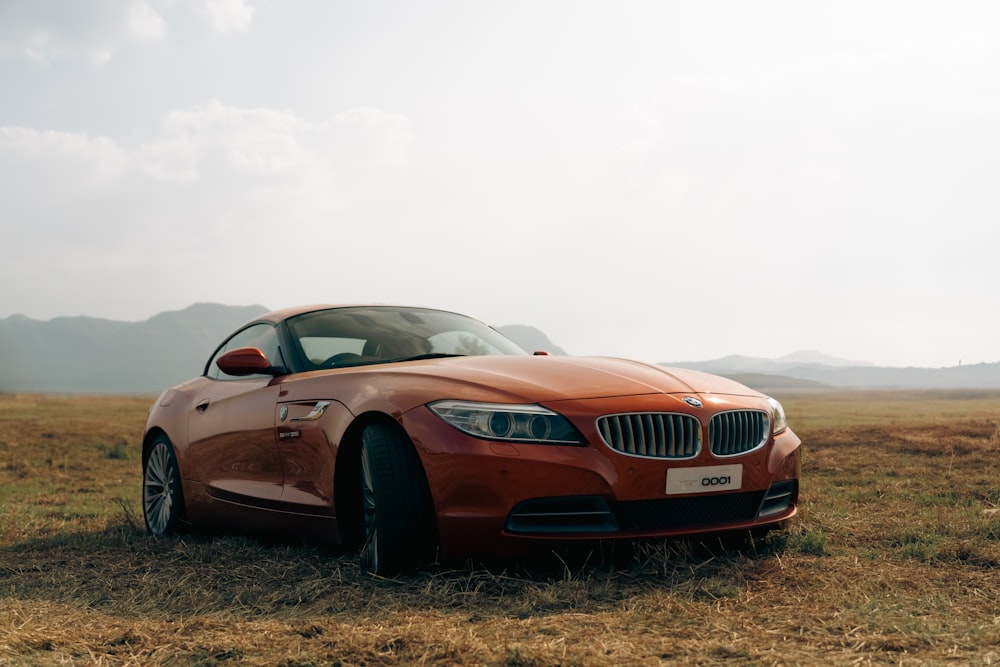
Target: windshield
379	334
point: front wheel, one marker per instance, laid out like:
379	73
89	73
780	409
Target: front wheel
396	503
162	502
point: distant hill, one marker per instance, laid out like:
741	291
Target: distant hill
91	355
809	357
530	339
775	383
823	370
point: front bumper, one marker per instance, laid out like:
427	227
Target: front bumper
501	499
595	515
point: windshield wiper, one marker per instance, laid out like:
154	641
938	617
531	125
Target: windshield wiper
429	355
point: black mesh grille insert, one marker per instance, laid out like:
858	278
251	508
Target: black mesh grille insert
566	514
689	511
779	497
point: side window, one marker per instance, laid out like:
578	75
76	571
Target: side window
261	336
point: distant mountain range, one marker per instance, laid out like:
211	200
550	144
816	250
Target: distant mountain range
814	369
530	339
91	355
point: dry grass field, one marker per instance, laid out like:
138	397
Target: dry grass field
893	560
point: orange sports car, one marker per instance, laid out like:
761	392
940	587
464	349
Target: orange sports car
417	434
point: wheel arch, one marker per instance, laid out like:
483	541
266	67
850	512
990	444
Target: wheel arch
347	475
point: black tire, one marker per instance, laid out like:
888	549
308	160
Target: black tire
162	500
398	516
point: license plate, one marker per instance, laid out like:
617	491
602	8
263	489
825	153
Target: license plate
704	479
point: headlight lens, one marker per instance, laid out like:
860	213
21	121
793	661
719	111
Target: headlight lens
513	423
780	423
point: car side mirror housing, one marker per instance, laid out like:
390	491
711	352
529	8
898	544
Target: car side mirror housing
247	361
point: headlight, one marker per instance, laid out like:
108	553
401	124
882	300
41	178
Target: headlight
780	423
513	423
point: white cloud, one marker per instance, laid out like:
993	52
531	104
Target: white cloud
56	187
48	31
36	45
51	31
226	139
66	160
374	137
145	24
227	16
215	139
171	159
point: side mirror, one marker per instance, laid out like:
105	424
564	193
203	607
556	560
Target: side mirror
247	361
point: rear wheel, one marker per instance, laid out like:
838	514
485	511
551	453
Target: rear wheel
162	502
396	503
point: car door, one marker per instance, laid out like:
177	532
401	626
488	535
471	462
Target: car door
307	454
304	430
232	427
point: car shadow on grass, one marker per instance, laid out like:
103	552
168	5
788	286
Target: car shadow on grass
122	570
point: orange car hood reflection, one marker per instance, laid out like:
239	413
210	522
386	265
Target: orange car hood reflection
545	378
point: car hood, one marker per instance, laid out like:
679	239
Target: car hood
549	378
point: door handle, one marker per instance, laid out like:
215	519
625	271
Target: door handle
315	413
201	407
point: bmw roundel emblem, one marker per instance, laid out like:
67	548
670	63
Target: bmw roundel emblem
693	402
283	413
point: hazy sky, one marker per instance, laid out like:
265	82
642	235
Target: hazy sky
656	180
